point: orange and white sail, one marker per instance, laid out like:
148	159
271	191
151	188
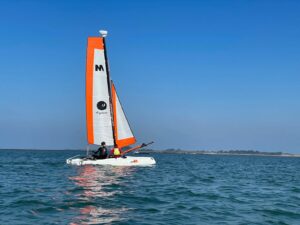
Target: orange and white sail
106	120
98	100
122	131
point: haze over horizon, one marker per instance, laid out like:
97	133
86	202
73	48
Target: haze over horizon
213	75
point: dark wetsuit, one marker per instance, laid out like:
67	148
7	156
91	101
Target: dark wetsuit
101	153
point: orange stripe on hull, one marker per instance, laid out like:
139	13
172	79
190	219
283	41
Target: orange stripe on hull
93	43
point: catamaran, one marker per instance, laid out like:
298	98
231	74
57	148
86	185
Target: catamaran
105	117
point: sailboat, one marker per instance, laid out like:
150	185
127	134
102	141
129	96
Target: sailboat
105	118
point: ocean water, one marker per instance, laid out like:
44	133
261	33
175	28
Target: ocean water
37	187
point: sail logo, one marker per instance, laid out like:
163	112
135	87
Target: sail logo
101	105
99	68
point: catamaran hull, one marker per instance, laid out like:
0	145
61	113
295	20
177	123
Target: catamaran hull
128	161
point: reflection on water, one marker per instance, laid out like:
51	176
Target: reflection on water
99	186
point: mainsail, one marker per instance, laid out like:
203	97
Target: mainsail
106	120
122	130
98	106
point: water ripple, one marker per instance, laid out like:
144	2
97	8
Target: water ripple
37	187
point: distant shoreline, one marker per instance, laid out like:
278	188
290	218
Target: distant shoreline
179	151
221	152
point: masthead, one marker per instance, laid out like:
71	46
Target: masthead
103	33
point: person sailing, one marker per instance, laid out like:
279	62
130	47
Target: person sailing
116	152
102	152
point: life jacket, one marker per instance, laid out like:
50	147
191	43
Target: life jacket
117	152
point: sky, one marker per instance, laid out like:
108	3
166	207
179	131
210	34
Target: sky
198	75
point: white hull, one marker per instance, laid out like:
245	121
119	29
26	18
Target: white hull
128	161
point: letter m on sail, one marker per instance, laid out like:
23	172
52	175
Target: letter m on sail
99	68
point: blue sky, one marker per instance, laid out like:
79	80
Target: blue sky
190	74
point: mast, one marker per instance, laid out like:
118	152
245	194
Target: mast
104	33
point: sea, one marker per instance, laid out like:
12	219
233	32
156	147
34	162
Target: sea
38	187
